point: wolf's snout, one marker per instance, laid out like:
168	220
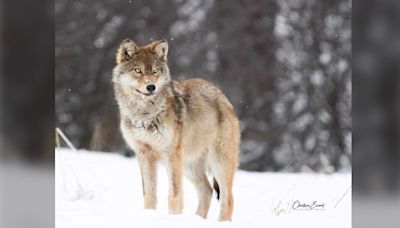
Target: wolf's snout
151	88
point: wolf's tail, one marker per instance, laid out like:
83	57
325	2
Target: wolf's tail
216	187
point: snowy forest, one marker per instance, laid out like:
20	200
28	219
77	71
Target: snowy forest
284	64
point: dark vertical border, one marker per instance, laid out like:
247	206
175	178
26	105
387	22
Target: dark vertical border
27	113
376	113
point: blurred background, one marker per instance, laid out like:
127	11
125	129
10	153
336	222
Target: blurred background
284	64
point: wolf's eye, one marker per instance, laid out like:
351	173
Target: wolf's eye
155	71
138	70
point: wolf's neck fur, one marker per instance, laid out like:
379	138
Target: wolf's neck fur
144	111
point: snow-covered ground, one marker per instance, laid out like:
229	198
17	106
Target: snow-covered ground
104	190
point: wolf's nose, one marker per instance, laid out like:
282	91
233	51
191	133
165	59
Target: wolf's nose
151	88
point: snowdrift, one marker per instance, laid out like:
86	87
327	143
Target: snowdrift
104	190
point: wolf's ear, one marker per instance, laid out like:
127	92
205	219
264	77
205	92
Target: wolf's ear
161	49
126	50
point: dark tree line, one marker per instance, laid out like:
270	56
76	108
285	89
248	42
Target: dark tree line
285	65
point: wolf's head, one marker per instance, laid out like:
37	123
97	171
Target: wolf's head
142	70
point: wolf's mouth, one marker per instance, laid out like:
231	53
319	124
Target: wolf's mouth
146	94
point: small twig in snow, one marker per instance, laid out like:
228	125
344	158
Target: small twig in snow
344	194
65	139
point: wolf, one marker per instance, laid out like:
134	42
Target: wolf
189	125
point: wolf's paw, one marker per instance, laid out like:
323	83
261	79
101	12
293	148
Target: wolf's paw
150	202
175	205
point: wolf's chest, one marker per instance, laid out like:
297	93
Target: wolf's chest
159	137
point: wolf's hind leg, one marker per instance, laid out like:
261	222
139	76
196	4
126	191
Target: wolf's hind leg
195	172
224	180
223	167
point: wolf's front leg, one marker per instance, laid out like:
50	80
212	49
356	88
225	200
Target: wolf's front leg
175	175
148	169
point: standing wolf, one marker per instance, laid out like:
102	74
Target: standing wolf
189	124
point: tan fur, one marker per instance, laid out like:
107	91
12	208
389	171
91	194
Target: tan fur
189	124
